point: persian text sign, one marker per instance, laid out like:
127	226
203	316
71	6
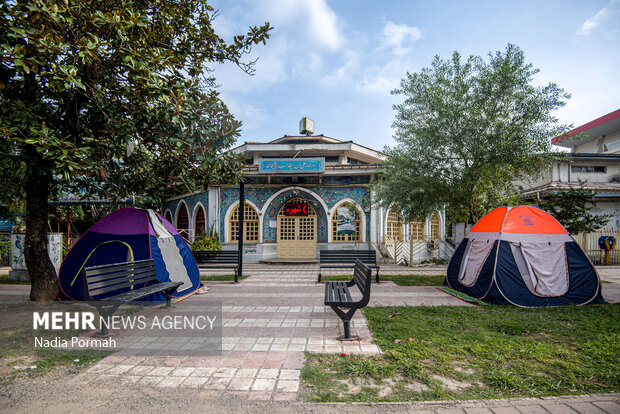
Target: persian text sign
291	165
295	209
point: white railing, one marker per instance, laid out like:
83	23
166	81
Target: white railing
187	235
417	251
589	244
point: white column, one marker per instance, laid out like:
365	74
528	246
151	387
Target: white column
374	224
214	209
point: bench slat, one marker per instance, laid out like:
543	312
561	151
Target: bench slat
131	277
142	278
99	281
109	276
343	259
97	291
114	267
338	293
144	292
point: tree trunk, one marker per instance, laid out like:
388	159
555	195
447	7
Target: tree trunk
40	268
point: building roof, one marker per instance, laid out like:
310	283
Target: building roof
601	189
605	125
310	145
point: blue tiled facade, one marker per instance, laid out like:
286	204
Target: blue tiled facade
191	202
269	233
328	195
345	175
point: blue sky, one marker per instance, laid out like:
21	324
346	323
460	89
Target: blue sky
336	61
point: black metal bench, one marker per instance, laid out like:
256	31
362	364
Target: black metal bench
345	259
338	295
218	259
109	286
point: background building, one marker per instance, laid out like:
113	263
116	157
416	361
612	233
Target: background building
296	189
595	161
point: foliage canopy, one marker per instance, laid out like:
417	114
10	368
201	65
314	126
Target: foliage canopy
465	131
572	208
111	98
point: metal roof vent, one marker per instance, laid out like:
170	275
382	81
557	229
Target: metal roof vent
306	126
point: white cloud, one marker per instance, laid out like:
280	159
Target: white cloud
312	17
590	24
305	31
323	24
400	37
271	68
344	73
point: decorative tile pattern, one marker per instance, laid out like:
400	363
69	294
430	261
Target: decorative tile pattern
269	233
332	195
259	196
191	202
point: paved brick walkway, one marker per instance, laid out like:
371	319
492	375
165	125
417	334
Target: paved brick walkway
269	320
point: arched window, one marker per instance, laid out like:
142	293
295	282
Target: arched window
416	230
435	226
393	225
250	224
182	218
346	237
199	223
168	216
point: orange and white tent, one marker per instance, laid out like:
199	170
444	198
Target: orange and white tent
523	256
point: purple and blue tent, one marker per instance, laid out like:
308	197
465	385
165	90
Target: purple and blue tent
130	234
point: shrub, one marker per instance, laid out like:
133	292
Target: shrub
207	241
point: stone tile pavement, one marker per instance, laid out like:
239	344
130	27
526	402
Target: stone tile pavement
269	320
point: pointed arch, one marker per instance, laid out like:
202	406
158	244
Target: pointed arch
393	224
199	218
251	223
168	216
360	223
181	223
315	195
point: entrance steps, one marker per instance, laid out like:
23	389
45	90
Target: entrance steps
289	261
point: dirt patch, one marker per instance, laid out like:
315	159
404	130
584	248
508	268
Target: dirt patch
464	370
385	388
451	384
416	386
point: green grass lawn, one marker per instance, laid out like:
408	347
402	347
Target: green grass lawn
474	352
401	280
4	280
222	278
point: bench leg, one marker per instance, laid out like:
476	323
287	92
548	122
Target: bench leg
377	278
319	281
346	321
237	275
168	294
105	312
347	329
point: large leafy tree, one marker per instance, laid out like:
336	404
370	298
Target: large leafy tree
109	98
465	131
